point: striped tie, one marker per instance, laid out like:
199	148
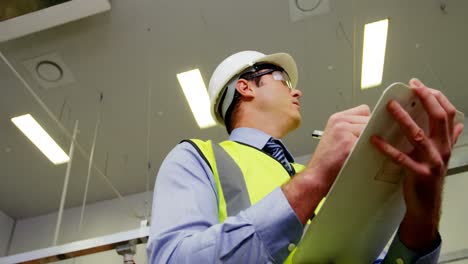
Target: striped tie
274	148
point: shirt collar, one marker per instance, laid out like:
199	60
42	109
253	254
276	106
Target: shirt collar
256	138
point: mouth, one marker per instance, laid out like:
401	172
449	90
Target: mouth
296	103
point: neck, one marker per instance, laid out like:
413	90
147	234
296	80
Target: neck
274	127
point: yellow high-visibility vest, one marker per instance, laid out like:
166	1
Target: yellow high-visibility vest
261	174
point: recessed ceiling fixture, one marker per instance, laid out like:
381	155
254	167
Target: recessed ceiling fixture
303	9
39	137
373	58
49	71
197	97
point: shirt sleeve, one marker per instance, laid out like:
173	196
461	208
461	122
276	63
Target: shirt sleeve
185	227
399	253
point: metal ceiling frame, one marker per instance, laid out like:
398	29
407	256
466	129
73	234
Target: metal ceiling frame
79	248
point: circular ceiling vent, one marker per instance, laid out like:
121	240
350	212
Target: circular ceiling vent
49	71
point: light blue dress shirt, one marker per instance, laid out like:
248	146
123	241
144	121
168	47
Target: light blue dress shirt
185	227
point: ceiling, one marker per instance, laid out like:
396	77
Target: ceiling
131	56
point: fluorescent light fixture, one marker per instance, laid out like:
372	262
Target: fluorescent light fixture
197	97
39	137
375	42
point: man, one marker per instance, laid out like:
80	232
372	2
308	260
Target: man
256	213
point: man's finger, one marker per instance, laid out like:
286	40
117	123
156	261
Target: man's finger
356	129
412	131
457	132
356	119
399	157
446	104
438	118
362	110
448	107
443	101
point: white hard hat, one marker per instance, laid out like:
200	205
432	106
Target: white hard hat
233	66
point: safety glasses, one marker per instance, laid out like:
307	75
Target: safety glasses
260	70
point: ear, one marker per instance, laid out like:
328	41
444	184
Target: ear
245	88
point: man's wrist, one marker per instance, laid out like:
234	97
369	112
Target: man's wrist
304	192
419	233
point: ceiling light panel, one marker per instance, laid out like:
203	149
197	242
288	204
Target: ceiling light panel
39	137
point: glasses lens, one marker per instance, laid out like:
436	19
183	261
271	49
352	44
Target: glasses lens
282	76
287	80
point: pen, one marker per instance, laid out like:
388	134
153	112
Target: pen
317	134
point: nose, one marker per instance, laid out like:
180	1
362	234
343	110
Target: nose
296	93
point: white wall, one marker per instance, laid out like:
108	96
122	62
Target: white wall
454	221
102	218
6	225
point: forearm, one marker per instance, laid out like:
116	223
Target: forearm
419	233
305	186
418	240
418	230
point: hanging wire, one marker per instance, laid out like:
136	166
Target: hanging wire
65	185
307	9
148	149
65	131
90	164
345	35
149	44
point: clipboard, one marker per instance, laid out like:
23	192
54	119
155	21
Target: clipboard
365	204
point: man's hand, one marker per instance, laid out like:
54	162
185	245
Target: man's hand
425	166
313	183
341	132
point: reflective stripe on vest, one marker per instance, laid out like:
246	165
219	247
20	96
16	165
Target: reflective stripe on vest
235	191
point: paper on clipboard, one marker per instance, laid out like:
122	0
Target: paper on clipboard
365	205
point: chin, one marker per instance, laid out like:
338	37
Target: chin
296	122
